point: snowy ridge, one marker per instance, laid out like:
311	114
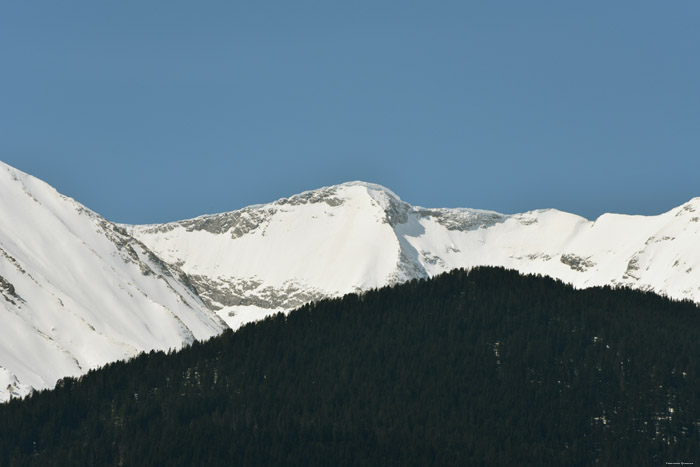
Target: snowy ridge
356	236
77	292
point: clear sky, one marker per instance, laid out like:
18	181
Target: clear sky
151	111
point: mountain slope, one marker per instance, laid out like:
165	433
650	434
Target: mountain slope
76	291
356	236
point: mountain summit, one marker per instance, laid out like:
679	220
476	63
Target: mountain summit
356	236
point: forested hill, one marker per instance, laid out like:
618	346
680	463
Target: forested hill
470	368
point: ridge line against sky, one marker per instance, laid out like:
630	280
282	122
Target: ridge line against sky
379	187
157	112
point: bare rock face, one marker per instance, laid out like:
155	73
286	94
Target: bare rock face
462	219
576	263
7	290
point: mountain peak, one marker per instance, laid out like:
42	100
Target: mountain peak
371	187
336	194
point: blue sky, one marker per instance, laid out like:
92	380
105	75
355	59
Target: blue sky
156	111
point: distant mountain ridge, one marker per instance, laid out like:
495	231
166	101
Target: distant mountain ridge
77	291
356	236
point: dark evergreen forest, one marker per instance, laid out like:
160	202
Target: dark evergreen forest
485	367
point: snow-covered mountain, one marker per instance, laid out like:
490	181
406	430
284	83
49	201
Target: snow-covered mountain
76	291
356	236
